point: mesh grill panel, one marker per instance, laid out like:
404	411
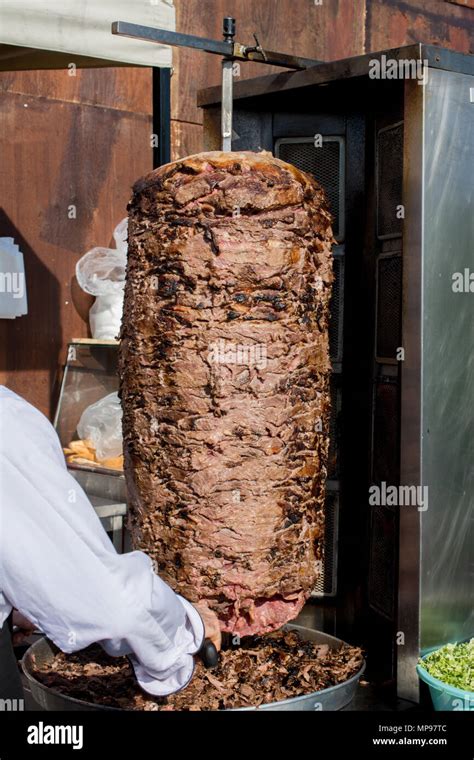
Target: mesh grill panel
383	540
389	181
335	324
389	300
326	584
324	164
334	429
385	462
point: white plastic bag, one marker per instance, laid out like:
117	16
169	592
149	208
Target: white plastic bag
121	235
105	316
101	423
101	273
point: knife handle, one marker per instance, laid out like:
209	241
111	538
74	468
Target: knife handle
209	654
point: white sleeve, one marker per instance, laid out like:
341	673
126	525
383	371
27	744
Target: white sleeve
59	568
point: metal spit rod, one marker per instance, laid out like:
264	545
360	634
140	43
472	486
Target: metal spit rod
230	50
227	88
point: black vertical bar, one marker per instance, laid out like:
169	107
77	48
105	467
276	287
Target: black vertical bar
161	115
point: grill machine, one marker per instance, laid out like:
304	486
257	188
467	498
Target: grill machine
394	151
396	156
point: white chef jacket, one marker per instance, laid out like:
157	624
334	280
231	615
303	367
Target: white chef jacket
59	568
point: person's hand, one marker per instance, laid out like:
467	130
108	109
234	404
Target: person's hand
212	628
25	628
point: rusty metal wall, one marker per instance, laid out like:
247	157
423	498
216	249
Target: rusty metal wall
327	30
64	141
391	23
334	29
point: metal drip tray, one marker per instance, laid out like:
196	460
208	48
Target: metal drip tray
334	698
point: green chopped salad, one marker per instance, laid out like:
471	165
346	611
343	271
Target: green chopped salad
453	664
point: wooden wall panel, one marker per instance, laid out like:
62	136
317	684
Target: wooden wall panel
58	149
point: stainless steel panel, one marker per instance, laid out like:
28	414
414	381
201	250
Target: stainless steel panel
437	424
101	483
411	388
447	534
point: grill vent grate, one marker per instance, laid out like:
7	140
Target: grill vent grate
385	457
334	429
383	541
324	163
326	584
336	306
389	181
389	302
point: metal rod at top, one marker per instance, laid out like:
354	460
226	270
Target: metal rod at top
225	47
229	50
228	29
227	103
152	34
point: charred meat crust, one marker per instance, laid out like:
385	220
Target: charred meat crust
263	669
224	373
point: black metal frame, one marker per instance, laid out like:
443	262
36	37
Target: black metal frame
286	83
161	119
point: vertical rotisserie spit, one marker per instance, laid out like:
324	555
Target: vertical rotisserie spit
225	381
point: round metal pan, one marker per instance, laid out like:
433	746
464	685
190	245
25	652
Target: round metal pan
335	698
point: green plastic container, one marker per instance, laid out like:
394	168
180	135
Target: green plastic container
444	696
